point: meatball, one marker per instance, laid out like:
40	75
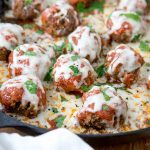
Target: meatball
125	26
72	72
86	43
26	9
102	108
75	2
60	19
11	35
23	95
148	83
30	59
138	6
123	65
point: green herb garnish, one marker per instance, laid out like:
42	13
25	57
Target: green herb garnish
107	97
30	53
147	64
55	110
40	31
28	2
77	96
69	47
124	89
105	107
59	121
59	49
63	99
136	38
28	26
144	46
85	88
31	86
48	76
75	57
74	69
100	70
132	16
94	6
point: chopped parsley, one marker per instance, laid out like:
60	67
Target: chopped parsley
144	46
55	110
105	107
0	85
124	89
94	6
31	86
68	47
147	64
136	38
63	99
59	121
48	76
133	16
59	49
100	70
30	53
77	96
85	88
75	57
28	26
28	2
40	31
107	97
74	69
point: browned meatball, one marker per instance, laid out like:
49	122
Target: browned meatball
23	95
60	19
26	9
75	2
103	107
71	72
125	26
123	65
11	35
27	58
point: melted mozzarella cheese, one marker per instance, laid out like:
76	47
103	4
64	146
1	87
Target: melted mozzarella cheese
63	69
38	64
19	82
126	57
85	43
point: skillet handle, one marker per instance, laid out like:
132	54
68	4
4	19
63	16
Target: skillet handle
7	121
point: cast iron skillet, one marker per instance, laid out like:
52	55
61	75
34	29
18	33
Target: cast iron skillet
117	138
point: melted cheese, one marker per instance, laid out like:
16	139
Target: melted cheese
38	64
126	57
63	70
19	82
85	43
133	5
11	35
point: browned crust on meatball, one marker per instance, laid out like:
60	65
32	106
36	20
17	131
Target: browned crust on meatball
96	120
129	78
75	2
123	34
23	12
11	100
4	54
68	86
53	24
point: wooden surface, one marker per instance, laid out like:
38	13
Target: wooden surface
139	145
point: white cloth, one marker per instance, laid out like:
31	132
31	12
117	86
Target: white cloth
59	139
